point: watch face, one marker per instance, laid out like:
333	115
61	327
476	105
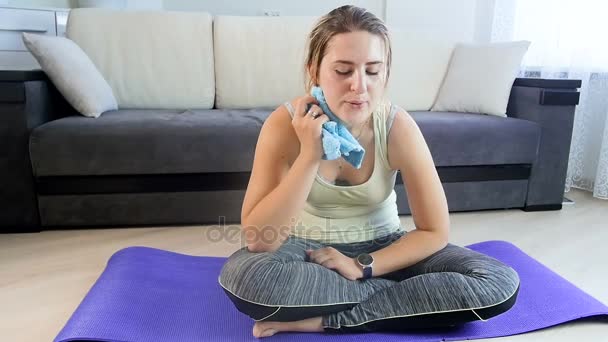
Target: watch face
365	259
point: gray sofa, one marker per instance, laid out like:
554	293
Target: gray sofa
180	149
165	167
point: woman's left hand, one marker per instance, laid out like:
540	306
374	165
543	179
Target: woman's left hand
334	260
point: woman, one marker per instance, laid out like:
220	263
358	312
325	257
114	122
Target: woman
325	248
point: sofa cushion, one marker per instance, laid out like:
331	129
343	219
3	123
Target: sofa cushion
465	139
253	70
73	73
151	59
127	142
480	77
418	68
275	72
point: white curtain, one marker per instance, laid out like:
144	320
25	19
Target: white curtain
569	40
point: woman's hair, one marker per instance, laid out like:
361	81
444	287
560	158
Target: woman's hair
343	19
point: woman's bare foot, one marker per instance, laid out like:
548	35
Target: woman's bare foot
265	329
269	328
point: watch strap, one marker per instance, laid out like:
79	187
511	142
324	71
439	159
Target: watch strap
367	272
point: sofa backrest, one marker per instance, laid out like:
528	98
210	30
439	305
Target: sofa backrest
259	61
178	60
151	59
419	65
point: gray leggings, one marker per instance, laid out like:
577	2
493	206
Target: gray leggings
451	287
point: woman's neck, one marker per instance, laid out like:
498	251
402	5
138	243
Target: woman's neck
358	129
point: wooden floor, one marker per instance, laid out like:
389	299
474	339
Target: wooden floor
44	276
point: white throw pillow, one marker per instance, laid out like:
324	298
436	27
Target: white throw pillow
73	73
480	77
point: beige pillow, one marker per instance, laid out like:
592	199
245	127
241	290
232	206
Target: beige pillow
73	73
151	59
480	77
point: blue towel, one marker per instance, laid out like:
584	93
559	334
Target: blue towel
337	140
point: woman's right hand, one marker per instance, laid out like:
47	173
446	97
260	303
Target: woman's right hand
308	125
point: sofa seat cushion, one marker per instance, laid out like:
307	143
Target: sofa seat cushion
464	139
130	142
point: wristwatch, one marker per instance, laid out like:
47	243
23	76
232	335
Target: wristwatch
366	261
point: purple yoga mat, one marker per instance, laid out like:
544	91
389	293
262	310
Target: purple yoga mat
147	294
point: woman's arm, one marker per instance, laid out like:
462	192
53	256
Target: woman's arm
408	152
276	192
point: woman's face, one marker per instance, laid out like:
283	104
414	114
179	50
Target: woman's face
352	75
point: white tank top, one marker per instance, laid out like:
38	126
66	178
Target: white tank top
345	214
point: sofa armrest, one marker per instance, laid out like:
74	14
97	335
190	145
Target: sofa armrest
551	104
27	100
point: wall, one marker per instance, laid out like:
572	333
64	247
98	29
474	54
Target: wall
132	4
451	20
484	16
462	20
40	3
465	20
286	8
